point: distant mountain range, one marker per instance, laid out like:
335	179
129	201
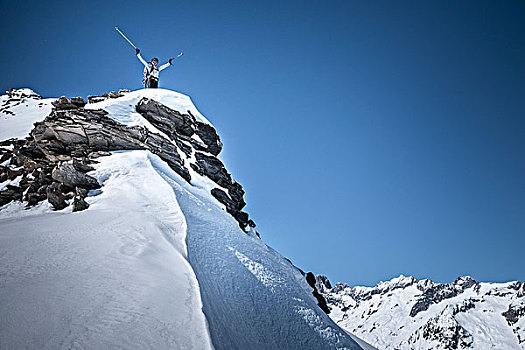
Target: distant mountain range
407	313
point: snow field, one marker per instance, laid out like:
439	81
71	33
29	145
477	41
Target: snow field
113	276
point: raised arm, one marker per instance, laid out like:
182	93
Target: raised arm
165	65
140	58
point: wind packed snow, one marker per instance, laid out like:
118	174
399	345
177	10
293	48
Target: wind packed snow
247	284
113	276
19	111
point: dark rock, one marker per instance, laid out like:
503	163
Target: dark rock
82	192
35	198
209	136
95	99
98	111
70	176
446	331
321	301
514	313
79	204
82	167
184	147
222	197
63	103
55	197
98	154
237	193
78	101
213	168
232	207
4	199
322	283
439	292
14	173
167	120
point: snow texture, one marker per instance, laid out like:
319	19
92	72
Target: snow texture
113	276
19	111
253	298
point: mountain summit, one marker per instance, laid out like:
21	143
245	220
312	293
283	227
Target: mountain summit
120	227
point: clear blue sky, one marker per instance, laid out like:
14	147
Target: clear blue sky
373	138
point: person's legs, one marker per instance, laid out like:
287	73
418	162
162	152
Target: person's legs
153	83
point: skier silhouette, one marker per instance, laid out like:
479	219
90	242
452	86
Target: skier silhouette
151	71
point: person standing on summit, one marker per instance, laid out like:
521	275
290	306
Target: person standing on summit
151	71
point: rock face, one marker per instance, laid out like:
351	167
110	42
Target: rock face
52	163
438	292
105	96
321	301
68	175
202	141
407	313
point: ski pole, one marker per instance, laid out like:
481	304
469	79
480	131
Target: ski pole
118	30
180	54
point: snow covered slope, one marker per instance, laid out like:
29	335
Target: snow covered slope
113	276
406	313
19	109
163	256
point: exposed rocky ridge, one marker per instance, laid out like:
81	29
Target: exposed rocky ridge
107	95
201	141
53	161
438	292
321	301
443	329
407	313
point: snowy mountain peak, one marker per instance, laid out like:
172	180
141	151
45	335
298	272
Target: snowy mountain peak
23	93
399	282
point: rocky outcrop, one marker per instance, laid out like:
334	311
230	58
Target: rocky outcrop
445	330
107	95
64	103
439	292
181	127
68	175
53	161
321	301
199	140
514	313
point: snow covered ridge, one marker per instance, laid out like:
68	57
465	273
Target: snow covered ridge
407	313
121	228
76	133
